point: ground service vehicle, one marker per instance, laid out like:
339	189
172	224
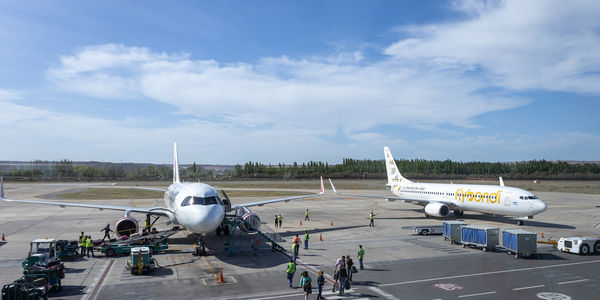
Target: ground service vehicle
579	245
140	260
425	229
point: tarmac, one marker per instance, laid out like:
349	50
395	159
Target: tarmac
398	264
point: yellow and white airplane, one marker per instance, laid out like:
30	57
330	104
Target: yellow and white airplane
438	198
195	206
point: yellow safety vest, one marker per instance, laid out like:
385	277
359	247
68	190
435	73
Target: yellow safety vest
88	243
307	212
306	236
291	268
371	216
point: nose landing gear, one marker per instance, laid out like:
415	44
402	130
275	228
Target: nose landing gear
200	245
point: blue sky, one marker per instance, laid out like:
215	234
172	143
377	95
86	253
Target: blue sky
284	81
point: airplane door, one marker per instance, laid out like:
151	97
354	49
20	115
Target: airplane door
507	199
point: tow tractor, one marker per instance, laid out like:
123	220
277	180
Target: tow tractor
154	241
43	262
579	245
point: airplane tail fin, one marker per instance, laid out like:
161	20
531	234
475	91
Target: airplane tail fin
393	173
175	164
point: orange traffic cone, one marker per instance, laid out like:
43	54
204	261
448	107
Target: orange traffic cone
300	222
331	223
221	277
320	237
3	239
542	235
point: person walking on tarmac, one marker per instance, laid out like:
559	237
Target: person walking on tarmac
372	219
89	246
306	239
291	269
320	284
361	255
280	221
343	277
305	283
349	265
306	216
82	242
295	250
276	221
106	232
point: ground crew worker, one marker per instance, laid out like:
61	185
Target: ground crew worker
306	239
82	239
106	232
372	218
361	255
295	250
306	216
82	245
276	221
291	269
280	220
297	239
89	246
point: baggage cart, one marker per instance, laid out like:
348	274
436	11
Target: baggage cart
485	237
140	260
451	230
519	242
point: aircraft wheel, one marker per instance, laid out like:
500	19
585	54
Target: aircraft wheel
520	222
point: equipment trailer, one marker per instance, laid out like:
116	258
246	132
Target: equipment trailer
425	229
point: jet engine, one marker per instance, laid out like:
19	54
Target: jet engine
437	209
126	226
251	224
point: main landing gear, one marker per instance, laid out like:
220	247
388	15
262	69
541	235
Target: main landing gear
520	222
458	213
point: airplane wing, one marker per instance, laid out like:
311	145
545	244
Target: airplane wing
162	211
417	202
261	203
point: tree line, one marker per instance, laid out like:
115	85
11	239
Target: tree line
349	169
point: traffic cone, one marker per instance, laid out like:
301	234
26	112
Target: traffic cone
320	237
3	239
300	222
542	235
221	277
331	223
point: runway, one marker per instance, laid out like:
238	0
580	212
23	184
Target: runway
399	265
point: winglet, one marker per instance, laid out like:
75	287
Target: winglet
501	181
175	164
332	187
1	188
322	187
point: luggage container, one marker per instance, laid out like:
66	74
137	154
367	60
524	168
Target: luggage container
452	230
519	242
479	236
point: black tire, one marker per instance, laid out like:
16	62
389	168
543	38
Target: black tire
218	231
226	230
132	271
463	245
110	252
585	249
597	247
424	232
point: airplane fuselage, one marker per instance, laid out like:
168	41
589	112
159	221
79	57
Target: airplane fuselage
494	199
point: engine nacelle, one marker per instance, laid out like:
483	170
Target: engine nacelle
437	209
251	224
126	226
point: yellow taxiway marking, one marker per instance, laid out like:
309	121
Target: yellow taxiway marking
233	279
212	270
204	281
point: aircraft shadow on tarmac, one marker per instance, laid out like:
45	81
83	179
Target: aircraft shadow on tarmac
69	290
509	220
73	270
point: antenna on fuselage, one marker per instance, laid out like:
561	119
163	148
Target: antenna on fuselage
175	164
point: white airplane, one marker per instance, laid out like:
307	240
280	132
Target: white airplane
195	206
438	198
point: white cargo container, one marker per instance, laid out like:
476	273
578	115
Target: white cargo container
519	242
452	231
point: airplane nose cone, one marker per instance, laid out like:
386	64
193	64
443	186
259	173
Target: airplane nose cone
206	218
539	206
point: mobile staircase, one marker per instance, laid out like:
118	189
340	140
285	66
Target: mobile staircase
235	220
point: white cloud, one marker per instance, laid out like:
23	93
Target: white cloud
519	45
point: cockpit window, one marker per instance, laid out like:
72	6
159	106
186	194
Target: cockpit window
199	201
